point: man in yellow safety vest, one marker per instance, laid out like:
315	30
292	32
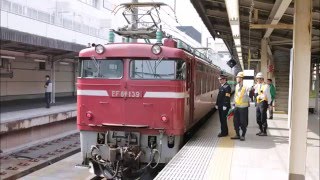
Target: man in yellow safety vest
263	102
241	104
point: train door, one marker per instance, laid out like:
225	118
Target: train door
190	86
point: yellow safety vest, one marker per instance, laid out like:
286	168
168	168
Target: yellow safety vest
261	97
241	98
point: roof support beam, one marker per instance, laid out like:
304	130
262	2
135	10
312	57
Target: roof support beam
276	14
66	55
314	42
281	48
22	54
315	50
273	26
40	51
5	45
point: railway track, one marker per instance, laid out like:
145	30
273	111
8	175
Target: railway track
28	160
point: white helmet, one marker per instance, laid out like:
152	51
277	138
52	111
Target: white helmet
240	74
259	75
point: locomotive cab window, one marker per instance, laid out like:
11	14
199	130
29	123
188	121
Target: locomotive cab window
161	69
108	69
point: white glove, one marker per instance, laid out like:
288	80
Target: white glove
224	108
216	107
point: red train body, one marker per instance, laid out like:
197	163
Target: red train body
134	99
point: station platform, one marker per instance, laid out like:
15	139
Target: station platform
13	112
23	118
207	157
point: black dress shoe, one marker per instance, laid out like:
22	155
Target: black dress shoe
263	134
242	138
235	137
270	117
222	135
258	134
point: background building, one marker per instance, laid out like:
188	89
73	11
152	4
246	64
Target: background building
43	37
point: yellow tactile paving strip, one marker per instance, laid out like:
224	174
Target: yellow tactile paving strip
220	163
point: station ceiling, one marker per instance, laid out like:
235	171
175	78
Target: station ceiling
215	17
17	41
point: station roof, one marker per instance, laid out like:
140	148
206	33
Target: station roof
18	41
214	15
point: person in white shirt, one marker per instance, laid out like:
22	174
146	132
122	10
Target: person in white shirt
48	91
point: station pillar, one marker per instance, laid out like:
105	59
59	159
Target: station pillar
317	84
264	58
298	108
53	78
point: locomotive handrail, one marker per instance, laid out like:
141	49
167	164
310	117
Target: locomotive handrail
98	84
126	125
185	46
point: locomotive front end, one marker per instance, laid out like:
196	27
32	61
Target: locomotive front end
131	108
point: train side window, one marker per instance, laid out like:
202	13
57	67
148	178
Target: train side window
181	70
189	78
203	83
198	83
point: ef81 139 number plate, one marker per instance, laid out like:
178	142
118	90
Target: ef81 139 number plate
126	94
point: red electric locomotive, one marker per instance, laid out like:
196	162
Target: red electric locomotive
136	101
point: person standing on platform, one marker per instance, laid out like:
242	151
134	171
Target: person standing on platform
273	96
263	101
223	104
256	87
251	94
241	104
48	91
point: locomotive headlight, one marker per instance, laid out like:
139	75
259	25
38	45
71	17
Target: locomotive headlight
164	118
89	115
99	49
156	49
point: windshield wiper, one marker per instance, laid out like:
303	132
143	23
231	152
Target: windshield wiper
96	64
158	62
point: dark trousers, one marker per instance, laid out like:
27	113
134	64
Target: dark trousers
261	113
47	96
271	110
240	120
223	120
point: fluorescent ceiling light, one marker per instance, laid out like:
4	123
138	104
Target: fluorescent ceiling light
238	49
232	9
255	60
237	41
65	63
39	60
235	29
239	54
7	57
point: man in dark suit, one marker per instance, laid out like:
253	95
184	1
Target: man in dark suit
223	104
